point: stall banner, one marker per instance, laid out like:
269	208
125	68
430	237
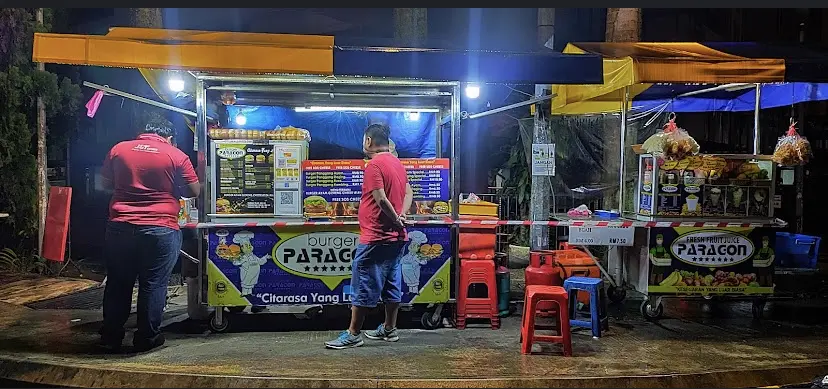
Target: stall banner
333	187
711	260
310	265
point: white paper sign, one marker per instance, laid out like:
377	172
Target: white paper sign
543	159
601	236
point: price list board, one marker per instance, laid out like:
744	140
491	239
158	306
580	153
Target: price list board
334	187
244	178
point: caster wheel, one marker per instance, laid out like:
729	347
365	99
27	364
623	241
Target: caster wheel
429	322
758	309
651	313
218	327
235	309
616	295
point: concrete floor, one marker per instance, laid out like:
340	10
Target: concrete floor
697	345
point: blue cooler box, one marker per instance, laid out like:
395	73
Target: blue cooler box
796	250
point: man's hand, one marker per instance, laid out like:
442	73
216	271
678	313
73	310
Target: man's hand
403	221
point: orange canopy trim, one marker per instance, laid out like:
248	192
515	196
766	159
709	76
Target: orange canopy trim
636	66
687	62
221	52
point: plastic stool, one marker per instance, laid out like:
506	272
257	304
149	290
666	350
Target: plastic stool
475	271
597	303
534	295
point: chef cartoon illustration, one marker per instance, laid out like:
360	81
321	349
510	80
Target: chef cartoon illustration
412	260
248	263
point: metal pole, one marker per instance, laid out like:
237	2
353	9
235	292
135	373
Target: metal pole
623	148
539	199
454	188
196	304
41	155
756	136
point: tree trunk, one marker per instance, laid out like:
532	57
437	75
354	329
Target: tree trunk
146	17
410	26
623	25
41	156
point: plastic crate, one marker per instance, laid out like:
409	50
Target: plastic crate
483	208
797	250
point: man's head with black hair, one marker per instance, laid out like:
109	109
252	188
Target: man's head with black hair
376	139
157	124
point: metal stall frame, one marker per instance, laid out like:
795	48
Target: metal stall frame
252	83
652	308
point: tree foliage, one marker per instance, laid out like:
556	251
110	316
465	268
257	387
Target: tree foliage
20	85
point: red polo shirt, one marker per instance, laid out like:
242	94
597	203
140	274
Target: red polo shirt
146	174
385	172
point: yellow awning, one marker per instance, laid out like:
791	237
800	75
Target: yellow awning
639	65
222	52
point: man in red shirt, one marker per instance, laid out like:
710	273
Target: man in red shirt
147	176
386	196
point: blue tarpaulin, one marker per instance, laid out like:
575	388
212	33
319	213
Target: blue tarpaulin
338	134
742	100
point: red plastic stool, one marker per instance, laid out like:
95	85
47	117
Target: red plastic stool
477	272
534	295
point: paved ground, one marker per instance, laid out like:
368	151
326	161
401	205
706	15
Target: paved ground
697	345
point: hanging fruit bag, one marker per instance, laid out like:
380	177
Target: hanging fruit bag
792	149
671	143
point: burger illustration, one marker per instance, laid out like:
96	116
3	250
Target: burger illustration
316	206
223	206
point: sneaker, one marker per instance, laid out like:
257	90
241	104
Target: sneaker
382	333
345	340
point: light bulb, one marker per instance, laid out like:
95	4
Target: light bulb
472	91
241	120
176	84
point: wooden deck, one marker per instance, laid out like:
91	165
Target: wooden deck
22	289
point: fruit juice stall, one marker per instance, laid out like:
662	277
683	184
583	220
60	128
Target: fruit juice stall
278	123
705	222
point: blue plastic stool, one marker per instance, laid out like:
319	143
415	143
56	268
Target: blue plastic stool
597	303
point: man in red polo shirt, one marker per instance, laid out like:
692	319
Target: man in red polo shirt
376	270
147	176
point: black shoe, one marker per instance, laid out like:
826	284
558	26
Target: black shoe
110	346
142	345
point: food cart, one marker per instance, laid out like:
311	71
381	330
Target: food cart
706	224
278	123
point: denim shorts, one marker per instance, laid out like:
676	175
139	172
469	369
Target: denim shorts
376	273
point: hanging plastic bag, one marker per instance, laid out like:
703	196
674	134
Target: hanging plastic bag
792	149
671	143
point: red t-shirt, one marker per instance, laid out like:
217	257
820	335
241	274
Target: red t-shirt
385	172
146	174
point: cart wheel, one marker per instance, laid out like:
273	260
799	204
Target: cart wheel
235	309
651	313
217	327
429	322
758	309
616	295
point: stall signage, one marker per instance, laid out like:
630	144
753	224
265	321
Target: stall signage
317	254
244	179
333	188
308	265
711	260
601	236
712	248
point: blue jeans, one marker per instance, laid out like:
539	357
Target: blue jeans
149	254
376	273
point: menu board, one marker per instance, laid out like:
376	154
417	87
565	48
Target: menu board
244	178
333	187
429	179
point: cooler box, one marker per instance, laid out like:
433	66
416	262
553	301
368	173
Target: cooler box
574	262
477	241
796	250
